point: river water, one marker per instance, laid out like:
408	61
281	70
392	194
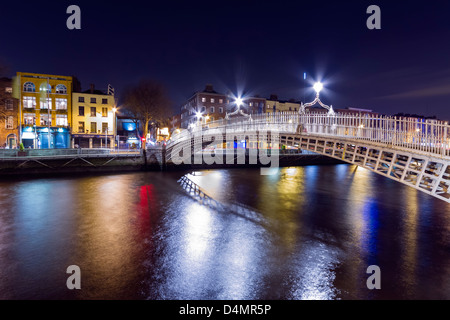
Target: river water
303	233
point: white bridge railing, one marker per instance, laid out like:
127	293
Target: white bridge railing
414	134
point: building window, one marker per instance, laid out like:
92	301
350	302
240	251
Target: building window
45	120
220	100
212	118
9	122
9	104
203	109
80	99
220	110
29	87
81	111
93	127
104	101
61	104
104	127
81	127
45	87
93	100
61	89
61	120
203	99
211	110
93	111
104	112
29	102
29	119
8	89
212	100
251	104
46	104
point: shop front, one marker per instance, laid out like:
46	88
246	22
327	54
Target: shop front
40	138
93	141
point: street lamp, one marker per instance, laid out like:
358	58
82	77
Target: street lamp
239	102
318	86
114	110
199	117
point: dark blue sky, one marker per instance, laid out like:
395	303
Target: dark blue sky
261	47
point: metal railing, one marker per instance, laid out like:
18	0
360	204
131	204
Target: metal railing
414	134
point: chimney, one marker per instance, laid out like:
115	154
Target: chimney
209	88
92	88
273	97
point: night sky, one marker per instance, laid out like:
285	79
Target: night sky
256	47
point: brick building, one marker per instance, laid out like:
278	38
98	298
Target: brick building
9	115
209	105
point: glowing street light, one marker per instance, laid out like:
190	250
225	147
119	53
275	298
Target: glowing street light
318	87
198	115
239	102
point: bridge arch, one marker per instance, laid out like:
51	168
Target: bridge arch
412	151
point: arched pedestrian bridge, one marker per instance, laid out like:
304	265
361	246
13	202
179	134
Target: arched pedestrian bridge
411	151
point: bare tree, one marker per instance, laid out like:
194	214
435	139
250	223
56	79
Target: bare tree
147	102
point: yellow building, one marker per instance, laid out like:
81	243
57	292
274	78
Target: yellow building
45	110
275	105
94	119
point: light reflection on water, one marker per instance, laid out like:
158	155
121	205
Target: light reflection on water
141	236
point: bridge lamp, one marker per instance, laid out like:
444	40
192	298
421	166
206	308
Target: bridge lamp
318	86
239	101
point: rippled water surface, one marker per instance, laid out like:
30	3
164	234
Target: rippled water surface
303	233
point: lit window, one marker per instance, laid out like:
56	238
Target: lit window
29	87
81	127
45	120
10	122
81	111
212	100
61	89
8	89
93	127
46	104
29	118
61	104
220	100
104	112
61	120
104	127
45	87
203	99
251	104
93	111
29	102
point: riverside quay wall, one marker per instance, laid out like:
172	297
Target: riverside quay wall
35	162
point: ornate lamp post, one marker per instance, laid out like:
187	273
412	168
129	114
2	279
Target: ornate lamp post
318	86
238	102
